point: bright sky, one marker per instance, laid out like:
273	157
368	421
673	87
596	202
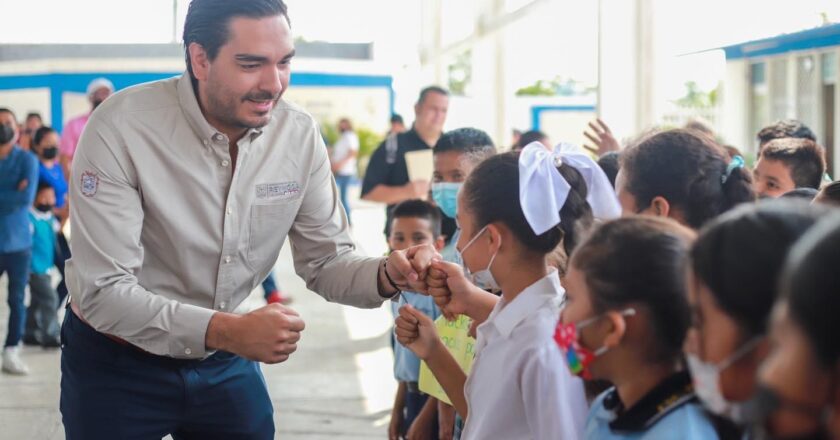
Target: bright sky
559	41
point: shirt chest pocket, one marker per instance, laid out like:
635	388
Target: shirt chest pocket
269	225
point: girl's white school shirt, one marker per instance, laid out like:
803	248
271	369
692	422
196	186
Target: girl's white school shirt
520	386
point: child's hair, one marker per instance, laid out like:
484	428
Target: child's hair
639	261
40	133
417	208
609	163
473	143
830	194
528	137
804	158
42	185
689	170
740	254
810	283
496	181
787	128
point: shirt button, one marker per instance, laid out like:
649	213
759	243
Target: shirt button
229	211
188	351
222	305
225	163
206	142
217	137
227	259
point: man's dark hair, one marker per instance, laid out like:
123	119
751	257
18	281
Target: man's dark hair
803	157
419	209
397	119
472	142
786	128
208	22
431	89
36	115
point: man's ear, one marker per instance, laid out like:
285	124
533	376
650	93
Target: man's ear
199	61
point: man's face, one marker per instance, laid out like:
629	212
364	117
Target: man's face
99	96
772	178
251	71
430	115
343	126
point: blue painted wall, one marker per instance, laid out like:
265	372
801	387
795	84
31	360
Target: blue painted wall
58	83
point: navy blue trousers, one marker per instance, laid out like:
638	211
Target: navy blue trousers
115	391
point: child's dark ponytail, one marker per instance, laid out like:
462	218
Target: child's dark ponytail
576	215
737	185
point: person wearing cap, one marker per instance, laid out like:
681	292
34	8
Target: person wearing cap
97	91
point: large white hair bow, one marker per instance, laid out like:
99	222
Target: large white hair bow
543	190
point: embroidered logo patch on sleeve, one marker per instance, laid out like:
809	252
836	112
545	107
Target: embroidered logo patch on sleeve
90	183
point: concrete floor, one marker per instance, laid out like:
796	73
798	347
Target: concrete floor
339	384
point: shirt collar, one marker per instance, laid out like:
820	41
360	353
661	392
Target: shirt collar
40	215
192	111
670	394
506	316
413	133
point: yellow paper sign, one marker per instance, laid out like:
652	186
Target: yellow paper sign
454	336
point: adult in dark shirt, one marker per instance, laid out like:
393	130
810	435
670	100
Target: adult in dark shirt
386	180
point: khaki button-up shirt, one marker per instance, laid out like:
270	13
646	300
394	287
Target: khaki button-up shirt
166	233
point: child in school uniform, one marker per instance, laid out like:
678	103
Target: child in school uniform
41	318
519	386
414	223
455	155
625	318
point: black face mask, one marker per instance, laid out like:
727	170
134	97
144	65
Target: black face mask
43	207
7	133
49	152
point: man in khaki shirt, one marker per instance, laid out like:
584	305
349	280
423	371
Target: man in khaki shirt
184	191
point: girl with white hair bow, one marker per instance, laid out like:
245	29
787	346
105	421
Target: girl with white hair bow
513	210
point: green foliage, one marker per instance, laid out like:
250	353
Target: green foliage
694	97
558	86
368	141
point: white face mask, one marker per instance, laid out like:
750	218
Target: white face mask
706	377
482	278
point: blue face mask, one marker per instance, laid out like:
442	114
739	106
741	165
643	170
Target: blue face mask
445	195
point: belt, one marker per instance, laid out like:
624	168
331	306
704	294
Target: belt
74	310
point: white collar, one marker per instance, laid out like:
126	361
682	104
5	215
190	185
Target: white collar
506	316
41	215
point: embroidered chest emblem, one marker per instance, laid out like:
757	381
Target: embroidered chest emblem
278	191
90	183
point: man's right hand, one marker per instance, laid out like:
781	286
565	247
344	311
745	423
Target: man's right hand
268	334
417	189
